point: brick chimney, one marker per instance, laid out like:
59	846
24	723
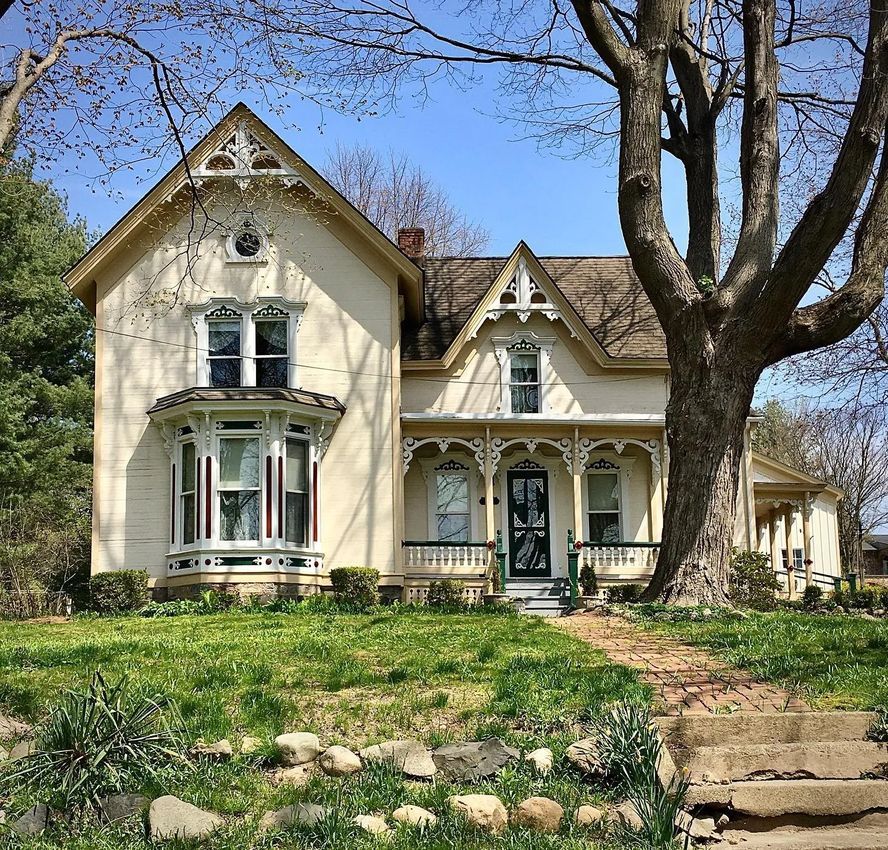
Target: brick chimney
411	241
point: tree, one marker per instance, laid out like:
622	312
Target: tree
394	193
45	391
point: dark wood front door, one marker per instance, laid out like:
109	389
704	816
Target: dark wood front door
528	504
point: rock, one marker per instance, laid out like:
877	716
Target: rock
218	751
539	814
483	811
32	822
414	816
4	756
696	828
12	729
588	816
541	759
119	807
372	824
626	815
297	748
294	777
410	757
339	761
170	817
304	813
585	757
473	760
22	750
250	744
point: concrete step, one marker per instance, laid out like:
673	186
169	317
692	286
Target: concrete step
814	760
701	730
826	838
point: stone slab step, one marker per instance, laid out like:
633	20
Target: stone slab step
702	730
778	797
828	838
814	760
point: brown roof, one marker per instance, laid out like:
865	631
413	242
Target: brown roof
259	395
603	290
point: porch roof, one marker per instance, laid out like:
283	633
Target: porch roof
319	404
537	419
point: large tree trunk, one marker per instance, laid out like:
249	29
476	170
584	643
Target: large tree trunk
705	425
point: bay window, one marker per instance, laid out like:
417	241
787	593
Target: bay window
188	493
296	475
239	488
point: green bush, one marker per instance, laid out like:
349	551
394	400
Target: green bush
625	592
870	598
753	583
588	580
119	591
812	597
356	587
447	593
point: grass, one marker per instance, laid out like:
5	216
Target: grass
353	679
831	661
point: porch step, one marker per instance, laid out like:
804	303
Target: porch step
541	597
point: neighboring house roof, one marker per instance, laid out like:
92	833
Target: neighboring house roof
788	476
877	541
604	292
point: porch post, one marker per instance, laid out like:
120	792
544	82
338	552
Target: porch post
489	515
655	512
787	538
806	539
577	470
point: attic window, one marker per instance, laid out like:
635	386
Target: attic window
508	298
248	242
265	162
220	162
538	297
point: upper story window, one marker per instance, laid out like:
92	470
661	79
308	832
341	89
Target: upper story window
224	352
525	372
524	382
272	352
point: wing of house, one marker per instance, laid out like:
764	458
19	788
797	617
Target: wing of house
281	390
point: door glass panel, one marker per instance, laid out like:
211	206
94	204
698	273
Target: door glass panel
239	462
528	526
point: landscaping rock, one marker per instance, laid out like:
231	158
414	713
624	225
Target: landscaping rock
11	729
585	757
295	777
4	756
218	751
22	750
541	759
698	829
372	824
626	815
296	748
304	813
169	817
483	811
539	814
414	816
473	760
339	761
250	744
119	807
410	757
589	816
32	822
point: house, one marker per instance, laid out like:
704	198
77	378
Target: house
281	390
875	556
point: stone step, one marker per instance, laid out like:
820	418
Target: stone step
814	760
827	838
701	730
779	797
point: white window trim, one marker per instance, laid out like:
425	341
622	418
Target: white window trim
178	461
261	539
524	342
429	467
623	470
282	486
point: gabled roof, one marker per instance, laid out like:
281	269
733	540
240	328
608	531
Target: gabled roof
788	476
81	276
600	296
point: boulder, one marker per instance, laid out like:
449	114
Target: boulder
414	816
541	760
473	760
372	824
699	829
250	744
32	822
588	816
585	757
169	817
22	750
483	811
304	813
539	814
218	751
119	807
12	729
626	815
296	748
410	757
294	777
339	761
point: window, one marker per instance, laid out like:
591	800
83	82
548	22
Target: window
297	492
798	559
224	357
187	492
452	506
604	507
272	363
239	488
524	382
248	242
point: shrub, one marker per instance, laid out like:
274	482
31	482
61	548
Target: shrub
625	592
119	591
447	593
753	583
97	742
588	580
356	587
812	597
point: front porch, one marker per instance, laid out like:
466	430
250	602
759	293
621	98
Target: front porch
512	498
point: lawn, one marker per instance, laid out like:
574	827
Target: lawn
833	662
353	679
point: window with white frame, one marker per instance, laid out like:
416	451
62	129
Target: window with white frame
798	559
451	494
272	359
603	510
297	504
524	381
188	493
239	488
224	354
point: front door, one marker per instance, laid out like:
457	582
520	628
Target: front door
528	499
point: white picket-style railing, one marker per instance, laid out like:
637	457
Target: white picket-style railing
445	556
635	558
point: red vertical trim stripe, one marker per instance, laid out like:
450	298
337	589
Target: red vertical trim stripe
197	499
173	508
281	516
314	502
209	520
269	496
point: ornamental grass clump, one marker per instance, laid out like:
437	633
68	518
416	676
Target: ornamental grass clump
100	741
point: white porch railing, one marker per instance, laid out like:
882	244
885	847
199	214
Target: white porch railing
431	555
635	559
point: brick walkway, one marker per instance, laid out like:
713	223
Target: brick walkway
685	680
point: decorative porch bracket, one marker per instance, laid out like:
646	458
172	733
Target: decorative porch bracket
498	445
411	444
588	445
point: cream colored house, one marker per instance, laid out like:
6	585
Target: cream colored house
281	390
